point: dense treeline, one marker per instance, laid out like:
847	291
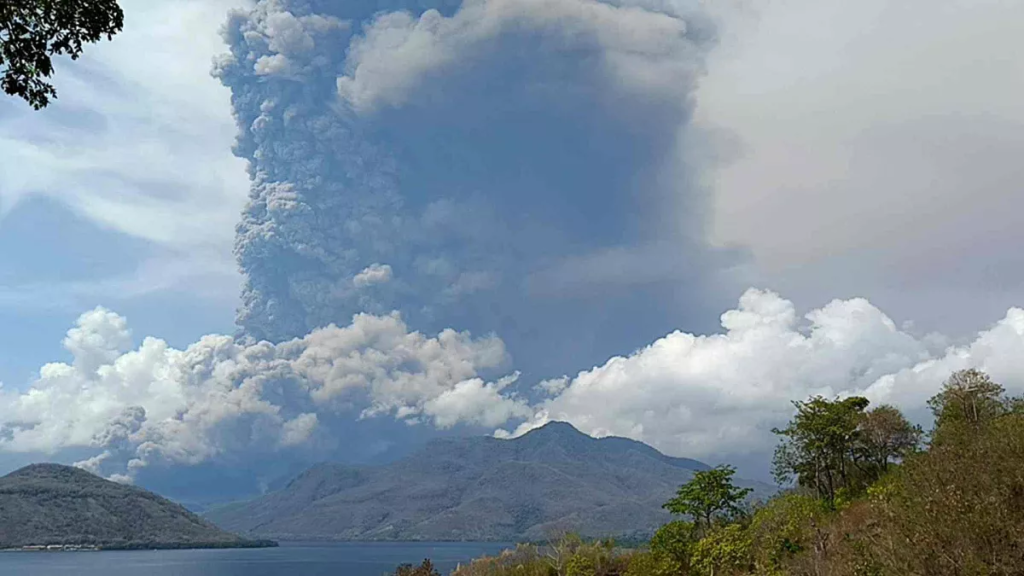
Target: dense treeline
871	495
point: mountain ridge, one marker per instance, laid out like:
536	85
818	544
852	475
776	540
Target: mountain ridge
551	479
57	505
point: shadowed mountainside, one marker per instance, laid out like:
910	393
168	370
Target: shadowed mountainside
45	504
553	479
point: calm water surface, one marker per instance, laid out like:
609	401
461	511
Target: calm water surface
290	559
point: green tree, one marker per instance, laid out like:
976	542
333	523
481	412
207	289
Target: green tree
785	526
886	436
709	495
957	508
725	550
651	564
424	569
673	544
33	31
580	565
969	399
562	548
818	447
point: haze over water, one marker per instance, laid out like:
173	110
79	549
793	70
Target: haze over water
291	559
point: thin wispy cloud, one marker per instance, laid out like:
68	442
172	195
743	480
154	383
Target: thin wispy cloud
139	139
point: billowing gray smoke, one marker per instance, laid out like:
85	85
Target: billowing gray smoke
516	166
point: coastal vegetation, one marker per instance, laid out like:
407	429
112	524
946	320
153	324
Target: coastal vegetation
869	494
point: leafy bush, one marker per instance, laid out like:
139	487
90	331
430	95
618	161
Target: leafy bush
675	541
569	556
650	564
784	527
424	569
956	508
725	550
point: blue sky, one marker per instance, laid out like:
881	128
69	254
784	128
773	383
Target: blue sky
559	199
124	193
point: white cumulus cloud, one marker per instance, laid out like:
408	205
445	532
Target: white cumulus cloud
218	396
701	396
721	394
476	402
373	274
100	337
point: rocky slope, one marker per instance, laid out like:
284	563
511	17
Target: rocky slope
550	480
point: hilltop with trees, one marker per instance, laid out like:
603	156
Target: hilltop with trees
870	495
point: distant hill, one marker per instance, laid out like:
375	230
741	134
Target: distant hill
551	480
47	504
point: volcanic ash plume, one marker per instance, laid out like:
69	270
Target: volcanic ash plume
517	166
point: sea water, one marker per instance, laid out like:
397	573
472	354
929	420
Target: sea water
289	559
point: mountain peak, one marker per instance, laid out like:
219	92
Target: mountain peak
554	477
557	427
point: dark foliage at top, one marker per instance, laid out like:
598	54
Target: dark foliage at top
33	31
708	497
838	447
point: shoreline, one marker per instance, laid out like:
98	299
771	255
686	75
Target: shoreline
139	546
